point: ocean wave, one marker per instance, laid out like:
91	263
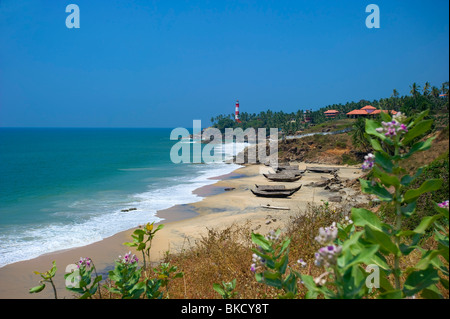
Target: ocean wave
105	217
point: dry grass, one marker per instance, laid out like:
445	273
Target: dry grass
225	255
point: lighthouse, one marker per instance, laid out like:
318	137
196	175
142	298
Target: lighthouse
236	117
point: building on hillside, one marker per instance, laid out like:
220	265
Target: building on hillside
307	116
331	114
368	111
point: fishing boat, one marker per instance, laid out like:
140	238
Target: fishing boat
282	177
275	188
278	194
322	169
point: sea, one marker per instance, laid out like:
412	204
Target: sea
63	188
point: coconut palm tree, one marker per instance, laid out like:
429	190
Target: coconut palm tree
394	98
444	88
426	88
414	91
435	92
359	134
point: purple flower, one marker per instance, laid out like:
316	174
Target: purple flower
369	161
302	262
327	256
84	262
128	259
444	204
327	235
394	127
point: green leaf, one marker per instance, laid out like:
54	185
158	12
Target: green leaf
381	239
261	241
383	160
290	284
376	189
444	283
431	292
53	270
391	294
364	257
386	179
363	217
427	259
272	279
419	147
309	283
418	118
418	130
284	245
37	289
409	209
427	186
407	249
259	277
406	180
219	289
419	280
139	232
282	264
371	127
425	223
376	145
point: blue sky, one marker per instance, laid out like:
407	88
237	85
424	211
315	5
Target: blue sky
166	63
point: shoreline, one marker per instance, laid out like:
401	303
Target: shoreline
183	224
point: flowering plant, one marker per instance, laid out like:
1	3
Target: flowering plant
125	277
142	240
270	263
81	278
46	277
394	140
363	239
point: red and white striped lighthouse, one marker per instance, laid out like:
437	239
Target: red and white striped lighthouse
236	117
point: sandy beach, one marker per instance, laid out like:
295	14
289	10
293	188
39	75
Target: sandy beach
183	224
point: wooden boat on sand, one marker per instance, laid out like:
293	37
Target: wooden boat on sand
277	193
275	188
282	177
322	169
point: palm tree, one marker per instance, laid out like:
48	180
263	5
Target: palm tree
359	134
394	98
414	90
444	88
426	89
395	93
435	92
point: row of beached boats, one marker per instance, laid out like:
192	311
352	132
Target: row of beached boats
289	174
283	173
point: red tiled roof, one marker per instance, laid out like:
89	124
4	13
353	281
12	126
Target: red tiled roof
369	107
331	112
357	112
